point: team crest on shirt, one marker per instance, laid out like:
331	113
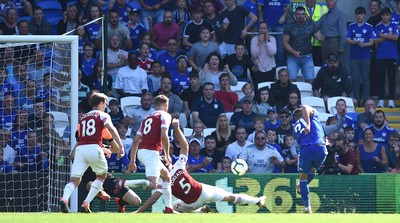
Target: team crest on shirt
364	31
215	106
390	29
384	134
137	31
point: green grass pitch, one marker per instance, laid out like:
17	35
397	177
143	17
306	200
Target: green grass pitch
195	218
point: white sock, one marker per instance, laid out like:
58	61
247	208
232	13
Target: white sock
68	189
94	190
135	183
166	190
245	199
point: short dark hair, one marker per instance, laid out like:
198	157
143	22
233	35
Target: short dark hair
360	10
386	10
210	137
97	98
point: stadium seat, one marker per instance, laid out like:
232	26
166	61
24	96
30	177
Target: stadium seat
305	88
183	120
129	103
27	18
323	117
71	3
265	84
238	89
61	121
316	70
208	131
54	23
229	115
134	5
51	8
315	102
331	104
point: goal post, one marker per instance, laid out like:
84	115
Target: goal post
45	186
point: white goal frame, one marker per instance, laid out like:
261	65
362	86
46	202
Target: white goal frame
74	43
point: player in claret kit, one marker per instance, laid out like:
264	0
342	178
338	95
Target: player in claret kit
150	139
89	151
193	195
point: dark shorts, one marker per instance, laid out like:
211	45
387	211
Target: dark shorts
111	187
311	156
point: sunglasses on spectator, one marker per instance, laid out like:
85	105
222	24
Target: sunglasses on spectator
260	138
284	116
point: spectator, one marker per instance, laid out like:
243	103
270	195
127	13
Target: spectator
194	91
9	62
263	49
333	80
116	164
234	149
7	151
194	28
294	101
164	31
145	61
83	38
248	89
84	8
38	24
226	165
375	12
27	96
274	13
5	167
131	80
260	156
213	68
175	104
5	86
381	130
123	10
70	21
218	6
19	79
87	63
29	156
197	163
360	37
84	105
181	14
392	151
37	68
258	124
35	119
210	14
180	77
329	166
140	112
244	118
314	12
210	151
347	158
136	29
225	95
169	58
146	38
97	81
207	108
48	92
154	78
20	130
95	12
233	24
263	101
198	133
281	88
291	154
153	9
371	156
272	122
115	113
116	57
349	133
366	118
386	56
341	108
9	26
200	50
115	28
240	63
7	113
297	42
27	51
333	27
285	128
223	133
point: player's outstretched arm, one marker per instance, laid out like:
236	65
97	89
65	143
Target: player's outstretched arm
307	111
114	133
180	137
149	202
132	165
165	145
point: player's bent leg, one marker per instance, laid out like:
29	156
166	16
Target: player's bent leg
68	190
246	199
94	190
101	195
132	198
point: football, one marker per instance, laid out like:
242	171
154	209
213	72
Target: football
239	167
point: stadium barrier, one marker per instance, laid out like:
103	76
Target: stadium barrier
366	193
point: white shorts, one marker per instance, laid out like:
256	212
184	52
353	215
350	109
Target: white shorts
151	161
208	194
89	155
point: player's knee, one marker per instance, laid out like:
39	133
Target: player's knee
303	176
152	185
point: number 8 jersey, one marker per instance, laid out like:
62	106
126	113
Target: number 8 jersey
91	126
150	130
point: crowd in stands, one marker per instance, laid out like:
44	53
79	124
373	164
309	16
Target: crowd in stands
195	52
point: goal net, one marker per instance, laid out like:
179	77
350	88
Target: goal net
38	112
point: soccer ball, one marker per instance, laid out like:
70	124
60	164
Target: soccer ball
239	167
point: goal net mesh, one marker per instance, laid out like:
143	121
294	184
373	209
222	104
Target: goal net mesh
35	124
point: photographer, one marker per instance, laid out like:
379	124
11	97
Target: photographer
347	158
329	167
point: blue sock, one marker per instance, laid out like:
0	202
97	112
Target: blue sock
310	177
305	193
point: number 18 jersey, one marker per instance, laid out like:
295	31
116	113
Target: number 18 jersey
91	126
150	130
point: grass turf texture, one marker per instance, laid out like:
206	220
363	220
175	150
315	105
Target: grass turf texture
195	218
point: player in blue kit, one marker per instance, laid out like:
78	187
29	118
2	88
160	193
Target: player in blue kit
311	138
